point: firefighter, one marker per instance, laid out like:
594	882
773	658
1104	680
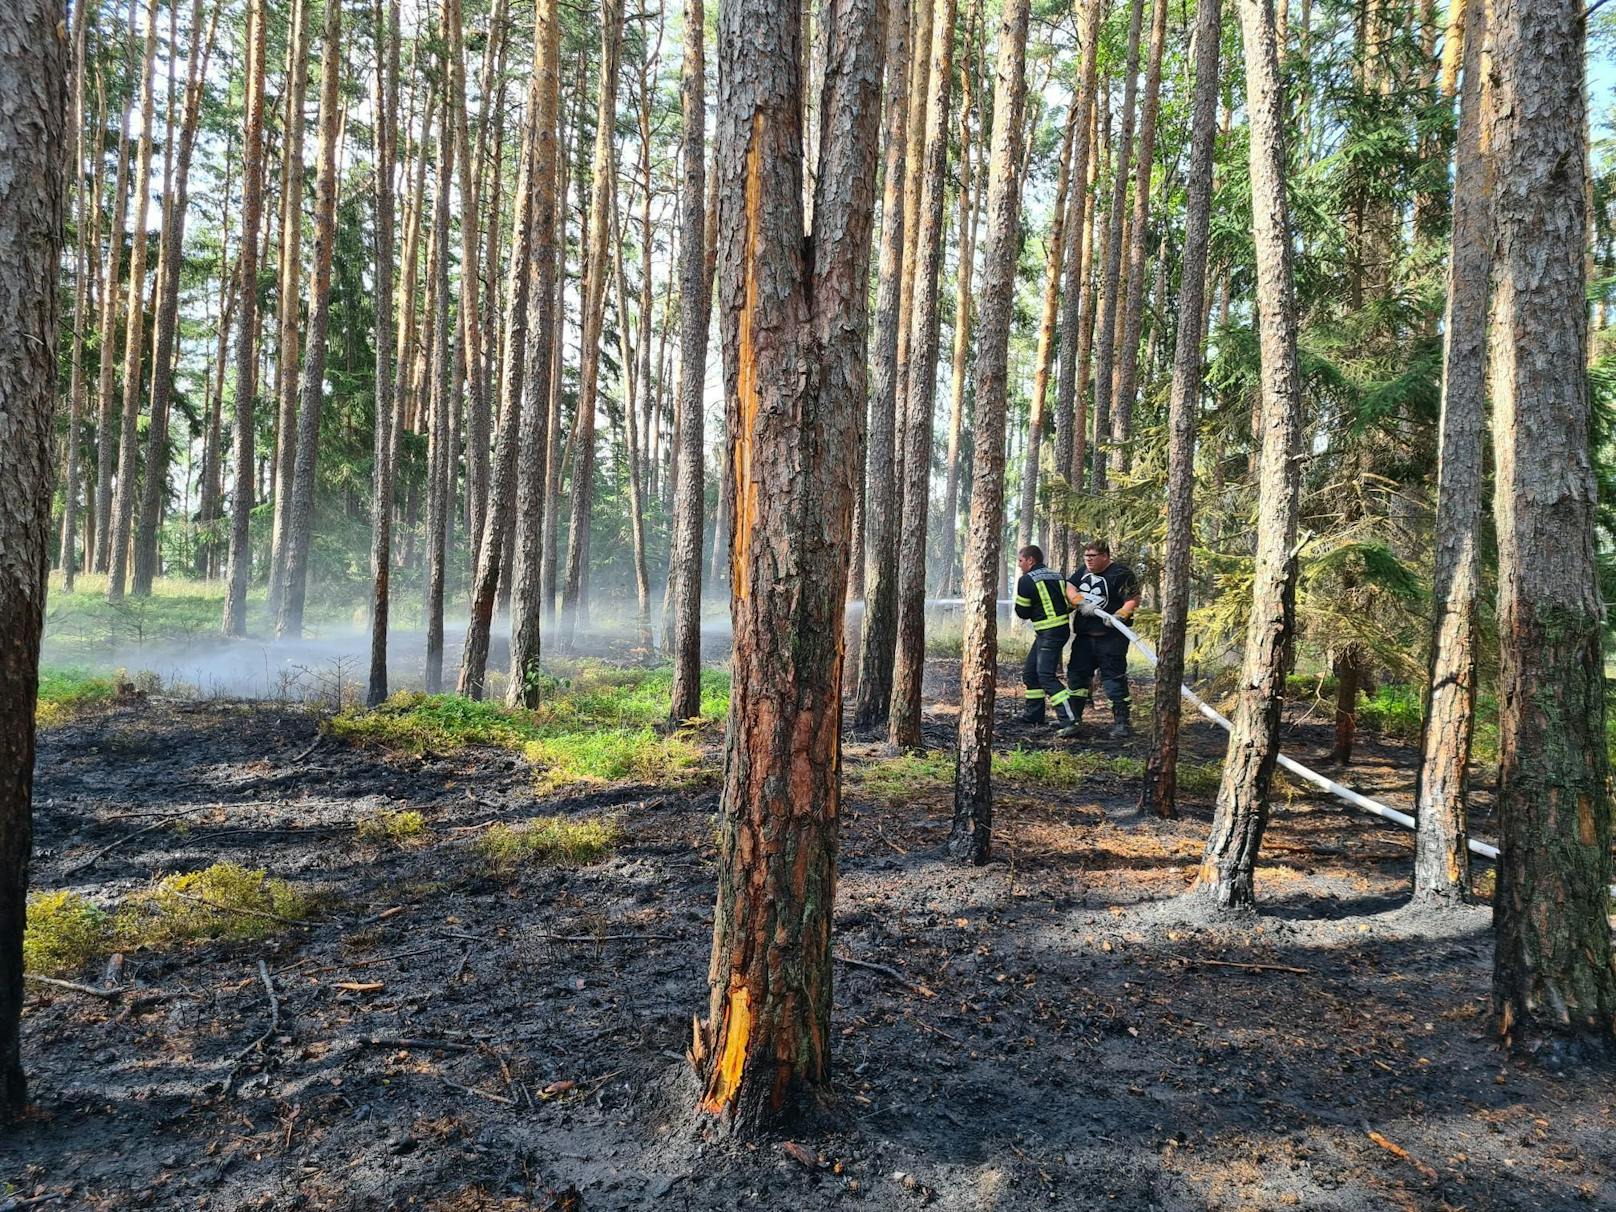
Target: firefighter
1112	587
1039	599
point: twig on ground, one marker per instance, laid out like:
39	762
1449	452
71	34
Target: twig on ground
488	1094
264	913
318	740
406	1041
269	1031
887	971
129	837
364	963
1397	1150
110	995
605	938
1191	959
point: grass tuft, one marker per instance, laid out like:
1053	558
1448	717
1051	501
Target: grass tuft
548	841
65	932
65	694
895	779
224	901
407	828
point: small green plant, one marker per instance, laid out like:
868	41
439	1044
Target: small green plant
1394	710
550	841
637	755
1199	778
65	932
223	901
407	828
901	778
65	694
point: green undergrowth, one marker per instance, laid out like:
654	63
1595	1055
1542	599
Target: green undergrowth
407	828
548	841
66	693
597	726
66	932
895	779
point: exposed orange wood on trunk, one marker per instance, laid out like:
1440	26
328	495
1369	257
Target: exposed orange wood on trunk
737	1029
746	488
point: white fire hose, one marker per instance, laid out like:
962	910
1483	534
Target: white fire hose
1318	780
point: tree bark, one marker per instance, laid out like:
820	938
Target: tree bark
123	502
246	375
881	500
920	393
1441	849
1111	285
971	838
33	80
1055	253
1159	792
100	528
385	102
491	554
794	338
1228	866
291	296
1069	384
439	456
1133	312
155	486
604	173
300	518
1553	973
542	357
695	308
81	297
468	373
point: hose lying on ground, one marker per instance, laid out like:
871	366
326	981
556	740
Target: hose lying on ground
1318	780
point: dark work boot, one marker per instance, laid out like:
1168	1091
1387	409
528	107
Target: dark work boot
1033	712
1121	729
1075	728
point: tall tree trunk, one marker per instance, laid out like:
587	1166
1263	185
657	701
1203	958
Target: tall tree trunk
1070	546
468	366
537	386
1111	286
81	297
300	519
491	555
101	515
246	381
920	393
155	486
440	451
1160	788
134	340
1070	387
1133	312
695	308
960	368
604	175
33	79
384	100
210	506
1228	867
881	500
1553	973
1054	255
795	436
1441	849
972	833
290	292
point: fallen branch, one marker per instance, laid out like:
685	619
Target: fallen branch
605	938
1397	1150
264	913
405	1041
318	740
269	1032
887	971
1191	959
129	837
488	1094
111	995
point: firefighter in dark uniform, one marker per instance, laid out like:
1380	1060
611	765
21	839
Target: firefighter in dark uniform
1040	598
1113	588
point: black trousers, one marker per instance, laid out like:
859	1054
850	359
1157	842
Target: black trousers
1107	654
1041	673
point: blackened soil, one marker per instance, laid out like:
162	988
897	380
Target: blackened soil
1056	1031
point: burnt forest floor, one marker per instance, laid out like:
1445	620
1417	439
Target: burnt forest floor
1052	1030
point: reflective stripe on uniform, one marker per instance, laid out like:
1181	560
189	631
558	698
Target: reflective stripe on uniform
1021	601
1080	694
1035	694
1045	624
1055	700
1049	607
